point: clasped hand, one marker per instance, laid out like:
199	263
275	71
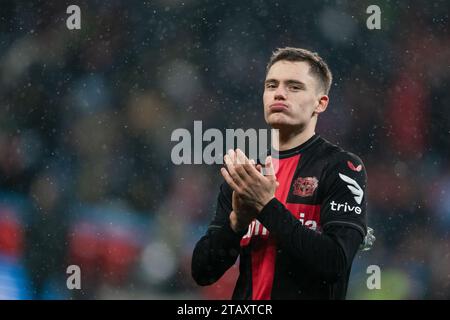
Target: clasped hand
252	189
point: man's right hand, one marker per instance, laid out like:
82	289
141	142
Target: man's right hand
242	215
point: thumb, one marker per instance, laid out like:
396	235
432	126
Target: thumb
269	170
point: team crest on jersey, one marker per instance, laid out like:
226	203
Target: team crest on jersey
305	187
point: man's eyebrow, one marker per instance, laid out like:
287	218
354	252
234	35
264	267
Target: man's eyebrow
289	82
292	81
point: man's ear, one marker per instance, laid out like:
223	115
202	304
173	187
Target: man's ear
322	105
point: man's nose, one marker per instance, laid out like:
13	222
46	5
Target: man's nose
280	93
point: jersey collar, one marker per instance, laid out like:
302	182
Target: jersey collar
296	150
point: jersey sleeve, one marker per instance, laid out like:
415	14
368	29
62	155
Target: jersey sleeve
219	248
344	193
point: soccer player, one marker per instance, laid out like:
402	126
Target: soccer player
297	224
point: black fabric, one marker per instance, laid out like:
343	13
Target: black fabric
325	258
310	264
218	250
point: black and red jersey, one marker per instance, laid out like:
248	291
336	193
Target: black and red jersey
302	243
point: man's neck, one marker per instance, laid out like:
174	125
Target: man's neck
288	139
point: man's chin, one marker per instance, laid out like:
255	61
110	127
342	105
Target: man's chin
285	126
278	123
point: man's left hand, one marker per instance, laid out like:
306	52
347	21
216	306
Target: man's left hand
254	188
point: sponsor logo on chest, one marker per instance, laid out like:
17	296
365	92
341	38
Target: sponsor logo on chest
307	215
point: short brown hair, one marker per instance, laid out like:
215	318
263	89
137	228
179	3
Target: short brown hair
318	67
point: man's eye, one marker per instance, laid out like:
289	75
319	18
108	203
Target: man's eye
270	86
295	88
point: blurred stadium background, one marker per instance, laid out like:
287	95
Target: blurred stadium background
86	117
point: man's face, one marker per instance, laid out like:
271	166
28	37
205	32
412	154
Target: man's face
290	95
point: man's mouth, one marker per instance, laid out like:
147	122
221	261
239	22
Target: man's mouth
278	107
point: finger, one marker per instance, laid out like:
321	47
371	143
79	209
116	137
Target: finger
239	162
248	165
241	157
255	166
243	165
232	155
255	171
228	162
259	168
269	171
234	171
229	179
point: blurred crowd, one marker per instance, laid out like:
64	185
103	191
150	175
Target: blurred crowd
86	117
